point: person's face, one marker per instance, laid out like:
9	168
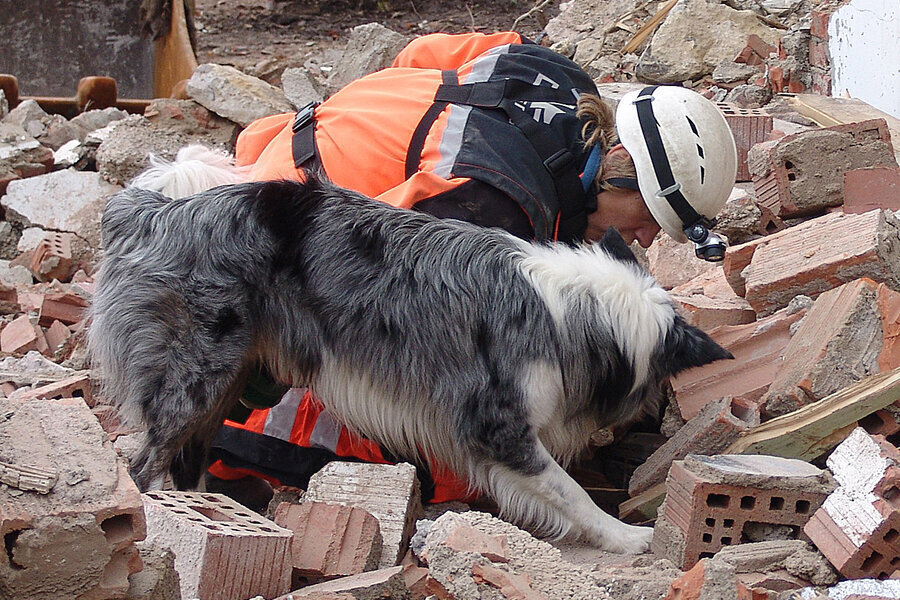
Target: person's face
626	212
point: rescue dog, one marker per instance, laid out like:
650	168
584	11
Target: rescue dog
435	338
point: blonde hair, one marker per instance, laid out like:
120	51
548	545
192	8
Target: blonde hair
599	128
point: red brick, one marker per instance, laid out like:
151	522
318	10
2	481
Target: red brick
711	431
52	258
755	52
222	550
76	386
708	301
111	421
818	24
841	340
711	501
330	540
818	54
21	336
749	126
68	308
515	586
871	188
816	256
56	335
858	526
758	350
465	538
673	264
383	583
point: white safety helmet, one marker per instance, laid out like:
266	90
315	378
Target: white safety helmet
684	155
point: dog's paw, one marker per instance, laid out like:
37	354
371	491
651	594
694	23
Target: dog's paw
627	539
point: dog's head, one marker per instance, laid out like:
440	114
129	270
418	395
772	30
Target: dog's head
683	346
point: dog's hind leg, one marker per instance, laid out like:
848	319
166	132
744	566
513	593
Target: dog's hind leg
555	504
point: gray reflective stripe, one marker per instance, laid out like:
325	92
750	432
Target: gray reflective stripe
451	140
326	432
280	420
483	67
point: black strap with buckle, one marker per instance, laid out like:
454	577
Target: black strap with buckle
303	141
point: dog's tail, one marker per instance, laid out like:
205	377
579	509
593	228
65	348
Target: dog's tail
196	168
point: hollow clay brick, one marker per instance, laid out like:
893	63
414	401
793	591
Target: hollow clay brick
871	188
846	335
858	526
52	258
749	126
75	536
717	501
816	256
222	550
801	174
714	428
330	540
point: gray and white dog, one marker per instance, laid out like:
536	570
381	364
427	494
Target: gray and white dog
435	338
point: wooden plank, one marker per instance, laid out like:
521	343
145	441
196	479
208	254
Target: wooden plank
810	432
647	28
807	433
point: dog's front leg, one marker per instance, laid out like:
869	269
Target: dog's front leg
553	501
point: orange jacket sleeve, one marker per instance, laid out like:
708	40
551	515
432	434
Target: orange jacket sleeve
450	51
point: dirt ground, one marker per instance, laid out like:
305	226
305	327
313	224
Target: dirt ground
263	37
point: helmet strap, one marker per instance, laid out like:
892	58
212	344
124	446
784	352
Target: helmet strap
669	188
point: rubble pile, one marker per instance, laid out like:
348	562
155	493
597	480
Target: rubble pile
773	476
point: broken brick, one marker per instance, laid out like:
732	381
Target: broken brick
389	492
708	301
78	540
56	335
21	336
858	526
758	350
717	501
75	386
871	188
382	583
755	52
841	341
510	584
330	540
749	126
711	431
802	174
52	258
222	550
814	257
68	308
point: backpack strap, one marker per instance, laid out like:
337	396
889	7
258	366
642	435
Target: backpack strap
563	167
303	140
417	143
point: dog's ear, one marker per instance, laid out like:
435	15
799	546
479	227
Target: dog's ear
687	346
613	244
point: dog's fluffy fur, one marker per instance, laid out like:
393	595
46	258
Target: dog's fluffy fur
435	338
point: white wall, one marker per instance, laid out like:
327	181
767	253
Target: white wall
864	41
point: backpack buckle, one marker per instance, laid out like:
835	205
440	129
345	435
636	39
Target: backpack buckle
304	116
